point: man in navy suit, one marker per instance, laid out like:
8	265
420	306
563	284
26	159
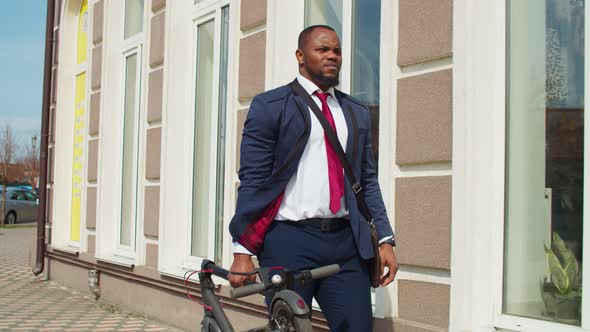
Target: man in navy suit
295	208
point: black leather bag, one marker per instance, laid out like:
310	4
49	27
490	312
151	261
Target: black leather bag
375	262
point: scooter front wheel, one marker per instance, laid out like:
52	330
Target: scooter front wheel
283	319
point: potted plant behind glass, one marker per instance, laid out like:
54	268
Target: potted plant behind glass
562	293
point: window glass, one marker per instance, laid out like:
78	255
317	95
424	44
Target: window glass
30	196
326	12
203	141
544	160
130	133
366	35
221	132
133	17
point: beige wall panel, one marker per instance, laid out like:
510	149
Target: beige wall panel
92	160
55	46
253	13
49	210
153	147
91	207
51	125
423	221
424	302
239	129
151	255
383	325
151	211
97	22
95	79
157	39
155	89
157	4
50	162
69	275
91	244
94	118
424	118
165	306
53	86
400	325
56	13
425	30
252	59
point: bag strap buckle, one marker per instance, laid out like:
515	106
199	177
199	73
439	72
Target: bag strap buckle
356	187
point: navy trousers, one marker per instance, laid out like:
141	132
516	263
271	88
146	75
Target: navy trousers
345	298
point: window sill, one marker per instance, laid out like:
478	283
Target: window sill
116	260
70	250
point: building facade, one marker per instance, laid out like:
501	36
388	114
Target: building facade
478	127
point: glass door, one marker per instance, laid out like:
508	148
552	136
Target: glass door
545	171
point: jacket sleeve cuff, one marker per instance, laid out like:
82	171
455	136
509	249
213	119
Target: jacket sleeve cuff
388	239
240	249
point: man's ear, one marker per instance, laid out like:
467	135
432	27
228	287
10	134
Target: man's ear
299	56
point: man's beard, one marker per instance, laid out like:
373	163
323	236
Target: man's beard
327	81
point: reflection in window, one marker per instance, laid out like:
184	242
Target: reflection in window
326	12
366	34
133	17
221	133
203	140
544	160
366	27
130	134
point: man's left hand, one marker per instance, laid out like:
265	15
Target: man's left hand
389	260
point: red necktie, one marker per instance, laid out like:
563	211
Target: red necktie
335	175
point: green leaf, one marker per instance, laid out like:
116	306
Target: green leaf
561	249
571	270
558	274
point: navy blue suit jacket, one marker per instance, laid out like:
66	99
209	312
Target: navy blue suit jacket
275	133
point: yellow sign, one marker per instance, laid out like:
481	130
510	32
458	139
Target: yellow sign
83	33
79	126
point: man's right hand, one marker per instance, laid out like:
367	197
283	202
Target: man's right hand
243	264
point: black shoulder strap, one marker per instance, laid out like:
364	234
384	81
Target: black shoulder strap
333	140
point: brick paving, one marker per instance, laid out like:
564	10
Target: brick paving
28	303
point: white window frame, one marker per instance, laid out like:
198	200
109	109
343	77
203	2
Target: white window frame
110	168
479	48
64	132
178	133
190	261
134	47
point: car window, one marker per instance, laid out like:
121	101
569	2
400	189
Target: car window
14	195
30	196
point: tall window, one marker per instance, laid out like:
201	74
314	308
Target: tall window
544	160
209	133
361	47
133	42
79	123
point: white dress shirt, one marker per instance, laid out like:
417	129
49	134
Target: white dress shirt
308	192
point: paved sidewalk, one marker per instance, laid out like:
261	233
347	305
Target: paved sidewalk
28	304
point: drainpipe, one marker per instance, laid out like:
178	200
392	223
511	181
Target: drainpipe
41	220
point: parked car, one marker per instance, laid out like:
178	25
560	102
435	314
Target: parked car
21	205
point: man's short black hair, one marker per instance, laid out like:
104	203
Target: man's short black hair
303	35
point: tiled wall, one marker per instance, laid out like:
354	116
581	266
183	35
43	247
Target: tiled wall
252	59
153	132
423	160
96	9
52	112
